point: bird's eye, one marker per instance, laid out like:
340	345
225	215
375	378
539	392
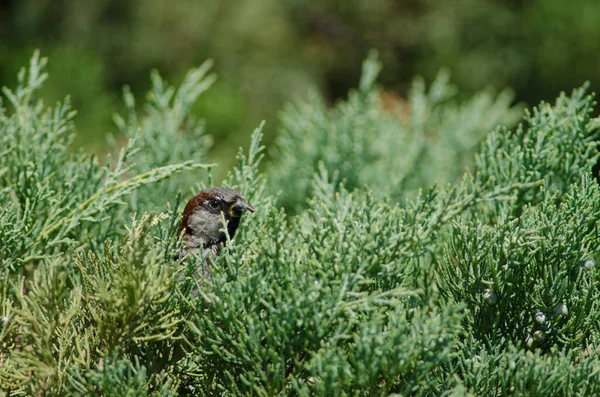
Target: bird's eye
214	203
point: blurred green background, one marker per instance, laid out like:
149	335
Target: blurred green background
268	52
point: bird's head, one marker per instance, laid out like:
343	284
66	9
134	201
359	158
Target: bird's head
201	223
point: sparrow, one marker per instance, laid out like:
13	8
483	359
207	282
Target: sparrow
201	228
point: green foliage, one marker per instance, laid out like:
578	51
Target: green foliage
158	133
538	257
62	221
559	147
484	286
119	377
55	199
429	140
499	370
533	246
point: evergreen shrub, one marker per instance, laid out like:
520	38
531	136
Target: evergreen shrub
418	251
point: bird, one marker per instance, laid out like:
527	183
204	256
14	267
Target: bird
201	227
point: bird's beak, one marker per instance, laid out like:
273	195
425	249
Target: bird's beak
236	210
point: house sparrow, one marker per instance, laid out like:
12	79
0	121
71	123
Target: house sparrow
201	224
